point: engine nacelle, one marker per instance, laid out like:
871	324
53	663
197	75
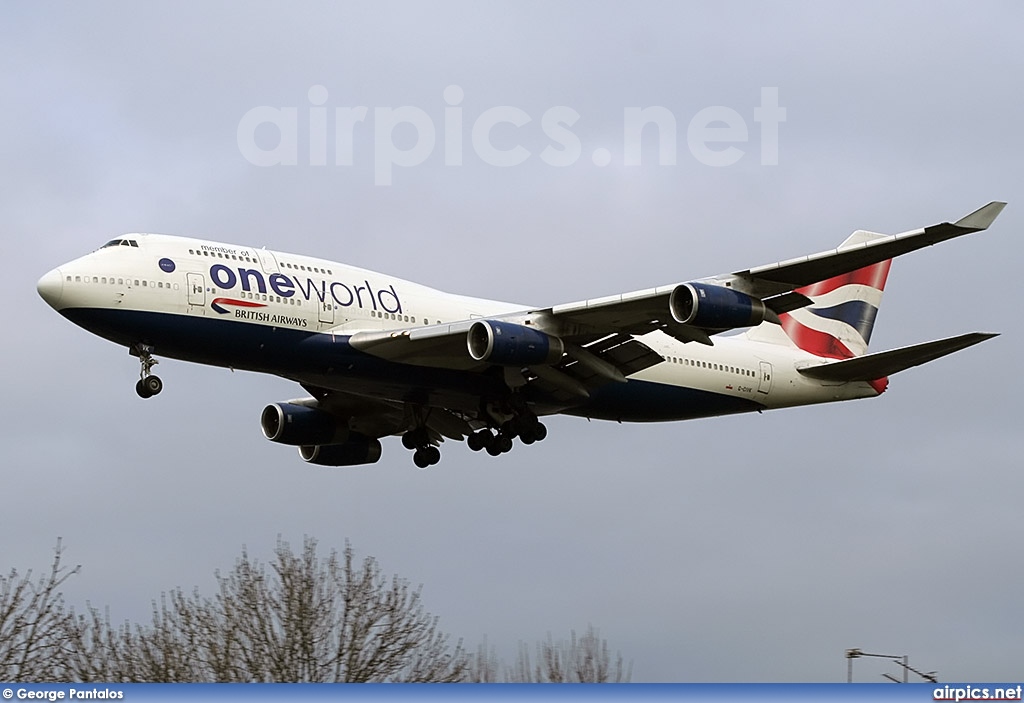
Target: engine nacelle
508	344
359	449
714	307
293	424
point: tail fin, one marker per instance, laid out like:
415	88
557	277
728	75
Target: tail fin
839	321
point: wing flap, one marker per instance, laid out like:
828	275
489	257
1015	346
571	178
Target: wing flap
887	363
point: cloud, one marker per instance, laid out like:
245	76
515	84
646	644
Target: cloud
744	548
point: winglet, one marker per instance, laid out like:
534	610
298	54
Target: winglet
982	217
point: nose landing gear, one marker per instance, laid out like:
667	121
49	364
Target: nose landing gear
148	384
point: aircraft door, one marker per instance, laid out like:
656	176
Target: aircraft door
326	311
764	381
196	287
267	260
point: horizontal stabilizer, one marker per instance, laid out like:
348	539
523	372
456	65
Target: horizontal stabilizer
881	364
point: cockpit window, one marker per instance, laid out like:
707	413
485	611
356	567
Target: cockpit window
113	243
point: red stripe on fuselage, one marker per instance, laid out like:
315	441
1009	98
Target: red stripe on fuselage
240	303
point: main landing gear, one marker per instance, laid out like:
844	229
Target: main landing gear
525	426
424	453
148	384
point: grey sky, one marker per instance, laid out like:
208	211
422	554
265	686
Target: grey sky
734	549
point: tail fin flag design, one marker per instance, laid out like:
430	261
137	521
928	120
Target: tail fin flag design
839	322
838	325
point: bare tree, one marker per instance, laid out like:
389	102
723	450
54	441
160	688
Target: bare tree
578	660
300	618
32	620
304	619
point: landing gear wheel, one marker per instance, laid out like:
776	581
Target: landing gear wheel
153	384
479	440
148	385
539	432
420	458
426	456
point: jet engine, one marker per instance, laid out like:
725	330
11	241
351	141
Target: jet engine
289	423
359	449
714	307
508	344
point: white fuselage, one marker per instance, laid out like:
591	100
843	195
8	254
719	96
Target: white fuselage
148	290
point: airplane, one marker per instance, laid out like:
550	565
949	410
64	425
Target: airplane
379	356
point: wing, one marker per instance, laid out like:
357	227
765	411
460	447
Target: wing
374	417
787	275
643	311
598	336
589	357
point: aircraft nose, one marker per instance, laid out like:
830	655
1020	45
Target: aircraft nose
51	288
